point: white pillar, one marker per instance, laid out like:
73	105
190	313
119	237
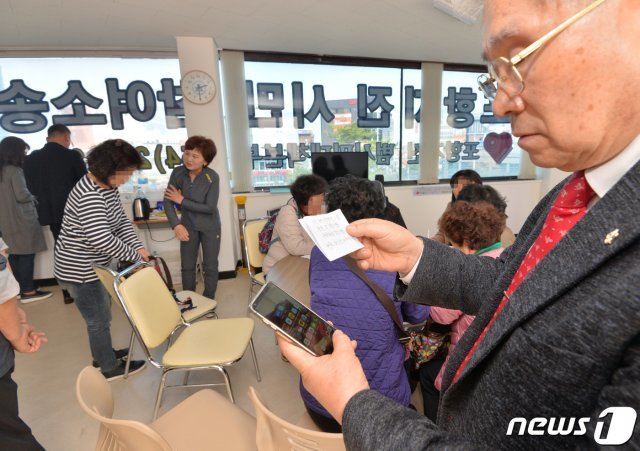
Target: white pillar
430	122
235	107
208	120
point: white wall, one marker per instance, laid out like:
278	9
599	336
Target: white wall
420	212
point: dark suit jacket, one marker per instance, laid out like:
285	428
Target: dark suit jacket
51	174
567	344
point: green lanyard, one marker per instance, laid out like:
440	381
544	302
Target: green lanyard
494	246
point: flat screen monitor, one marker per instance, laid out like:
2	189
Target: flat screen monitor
330	165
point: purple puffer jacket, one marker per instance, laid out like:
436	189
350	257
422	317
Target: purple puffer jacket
340	296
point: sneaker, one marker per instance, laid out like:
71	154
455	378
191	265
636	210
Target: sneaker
67	297
38	295
121	354
118	372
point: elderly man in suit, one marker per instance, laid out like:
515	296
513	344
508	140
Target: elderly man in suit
51	174
553	358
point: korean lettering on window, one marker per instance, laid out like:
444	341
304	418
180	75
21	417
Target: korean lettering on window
23	108
369	109
460	103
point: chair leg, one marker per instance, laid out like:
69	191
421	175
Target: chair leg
186	377
126	366
211	314
227	382
250	290
163	380
255	360
201	264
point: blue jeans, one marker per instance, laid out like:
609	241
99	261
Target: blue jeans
22	267
94	304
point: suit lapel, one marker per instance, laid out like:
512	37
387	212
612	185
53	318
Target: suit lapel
578	254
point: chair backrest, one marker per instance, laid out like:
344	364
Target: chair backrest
107	276
250	230
96	399
149	305
273	433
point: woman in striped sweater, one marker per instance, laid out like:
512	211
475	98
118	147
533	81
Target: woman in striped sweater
95	229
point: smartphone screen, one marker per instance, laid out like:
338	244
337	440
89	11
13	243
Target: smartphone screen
296	320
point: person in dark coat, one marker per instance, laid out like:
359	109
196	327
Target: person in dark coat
18	218
51	174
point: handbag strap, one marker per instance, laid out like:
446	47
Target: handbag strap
383	297
165	270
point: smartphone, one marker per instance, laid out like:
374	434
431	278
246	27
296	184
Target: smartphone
286	315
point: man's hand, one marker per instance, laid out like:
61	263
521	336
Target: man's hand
387	246
333	378
181	232
30	341
173	194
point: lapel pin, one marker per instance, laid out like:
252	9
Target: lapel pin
611	236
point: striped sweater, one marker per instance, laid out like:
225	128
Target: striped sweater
95	229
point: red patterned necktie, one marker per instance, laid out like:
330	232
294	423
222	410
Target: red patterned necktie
566	211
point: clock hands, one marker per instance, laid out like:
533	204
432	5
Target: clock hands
199	89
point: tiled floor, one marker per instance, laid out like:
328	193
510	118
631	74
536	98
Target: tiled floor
46	380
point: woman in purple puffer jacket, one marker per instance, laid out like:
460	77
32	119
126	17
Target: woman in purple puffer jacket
340	296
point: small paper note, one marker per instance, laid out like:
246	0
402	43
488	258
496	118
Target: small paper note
329	233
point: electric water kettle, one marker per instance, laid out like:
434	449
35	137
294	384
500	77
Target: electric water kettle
141	209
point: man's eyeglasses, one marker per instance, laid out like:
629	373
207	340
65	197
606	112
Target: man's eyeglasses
502	71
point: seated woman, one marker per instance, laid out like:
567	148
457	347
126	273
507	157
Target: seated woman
478	193
196	187
289	238
458	181
473	228
338	295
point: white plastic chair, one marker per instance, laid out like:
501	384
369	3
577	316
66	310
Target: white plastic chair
205	420
273	433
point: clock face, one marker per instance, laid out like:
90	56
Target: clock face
198	87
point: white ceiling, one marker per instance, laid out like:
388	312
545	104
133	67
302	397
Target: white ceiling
394	29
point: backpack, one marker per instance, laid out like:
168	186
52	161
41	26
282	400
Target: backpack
264	237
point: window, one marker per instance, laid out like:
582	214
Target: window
471	137
295	109
98	98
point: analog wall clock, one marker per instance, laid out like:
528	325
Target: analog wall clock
198	87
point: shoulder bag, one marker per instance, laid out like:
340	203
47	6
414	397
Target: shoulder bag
423	345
